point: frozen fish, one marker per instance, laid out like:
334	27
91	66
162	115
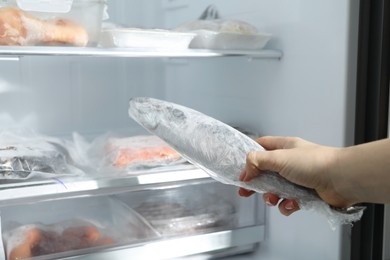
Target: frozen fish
221	151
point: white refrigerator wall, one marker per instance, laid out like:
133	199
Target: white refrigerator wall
308	93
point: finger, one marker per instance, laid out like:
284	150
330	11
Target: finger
242	175
251	171
288	206
257	162
271	199
245	193
276	142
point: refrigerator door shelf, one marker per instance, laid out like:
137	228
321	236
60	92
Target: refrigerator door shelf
32	191
12	51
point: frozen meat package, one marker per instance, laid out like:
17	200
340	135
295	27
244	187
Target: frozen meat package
63	228
27	155
110	154
146	151
225	34
34	22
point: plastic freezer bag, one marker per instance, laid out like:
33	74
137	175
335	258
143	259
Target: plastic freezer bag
124	155
26	155
221	151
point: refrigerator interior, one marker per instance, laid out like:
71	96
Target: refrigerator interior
309	92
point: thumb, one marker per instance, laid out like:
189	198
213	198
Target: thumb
259	161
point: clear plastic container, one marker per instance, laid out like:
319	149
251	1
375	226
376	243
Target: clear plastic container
186	210
69	227
145	38
66	22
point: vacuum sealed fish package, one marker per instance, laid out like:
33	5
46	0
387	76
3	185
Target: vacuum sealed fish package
221	151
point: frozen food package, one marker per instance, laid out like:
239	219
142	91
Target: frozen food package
221	151
178	212
39	239
145	151
225	34
127	155
71	227
29	22
26	155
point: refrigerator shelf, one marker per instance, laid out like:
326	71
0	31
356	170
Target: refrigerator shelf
31	191
7	52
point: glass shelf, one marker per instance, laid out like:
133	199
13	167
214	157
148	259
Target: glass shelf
17	51
14	192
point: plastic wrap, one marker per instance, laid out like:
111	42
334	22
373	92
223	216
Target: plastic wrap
143	151
76	23
219	26
221	151
27	155
71	225
39	239
107	154
224	34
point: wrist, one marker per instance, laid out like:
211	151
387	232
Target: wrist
341	185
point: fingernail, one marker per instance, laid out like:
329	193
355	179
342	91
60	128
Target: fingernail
268	202
242	175
290	205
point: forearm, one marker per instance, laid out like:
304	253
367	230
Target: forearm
364	172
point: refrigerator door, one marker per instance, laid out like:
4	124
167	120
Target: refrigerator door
386	234
370	235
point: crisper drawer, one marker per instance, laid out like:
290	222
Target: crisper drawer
60	228
196	208
158	223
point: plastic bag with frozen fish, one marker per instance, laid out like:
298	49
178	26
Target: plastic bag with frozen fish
26	155
221	151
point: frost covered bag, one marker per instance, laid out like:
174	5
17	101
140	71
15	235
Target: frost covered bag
25	155
142	151
60	229
124	155
221	151
38	239
225	34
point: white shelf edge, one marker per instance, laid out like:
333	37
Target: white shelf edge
12	193
19	51
182	246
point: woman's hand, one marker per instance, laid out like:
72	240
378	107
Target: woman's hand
301	162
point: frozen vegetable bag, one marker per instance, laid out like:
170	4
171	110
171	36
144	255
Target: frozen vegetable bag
221	151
